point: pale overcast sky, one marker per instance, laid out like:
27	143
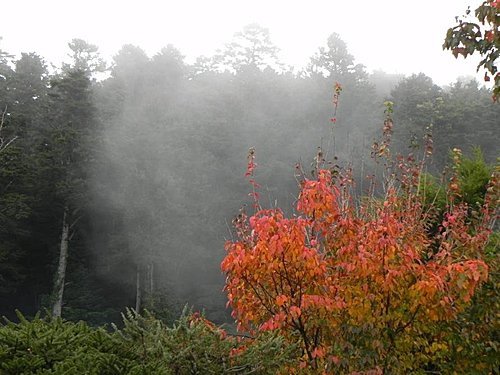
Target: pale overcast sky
393	35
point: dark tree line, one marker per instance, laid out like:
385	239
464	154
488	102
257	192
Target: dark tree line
120	192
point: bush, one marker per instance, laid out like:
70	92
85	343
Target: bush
365	286
145	345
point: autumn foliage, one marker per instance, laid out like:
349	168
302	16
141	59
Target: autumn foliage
479	33
359	284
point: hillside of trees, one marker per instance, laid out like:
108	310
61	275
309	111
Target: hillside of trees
357	240
143	170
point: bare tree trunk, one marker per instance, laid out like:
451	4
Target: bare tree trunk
61	269
138	291
151	278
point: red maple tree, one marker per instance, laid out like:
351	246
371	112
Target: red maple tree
356	282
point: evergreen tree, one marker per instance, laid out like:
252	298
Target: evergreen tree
72	139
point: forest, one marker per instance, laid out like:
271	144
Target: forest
125	184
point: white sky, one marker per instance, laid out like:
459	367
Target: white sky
393	35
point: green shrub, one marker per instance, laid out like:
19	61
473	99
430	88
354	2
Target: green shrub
145	345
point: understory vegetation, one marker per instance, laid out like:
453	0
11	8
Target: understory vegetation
142	345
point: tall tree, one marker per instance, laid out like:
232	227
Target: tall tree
417	101
20	191
31	81
72	138
13	208
85	57
468	118
251	49
335	61
6	74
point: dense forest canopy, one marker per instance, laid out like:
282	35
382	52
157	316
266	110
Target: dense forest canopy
138	175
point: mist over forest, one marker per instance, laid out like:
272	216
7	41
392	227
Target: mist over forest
145	168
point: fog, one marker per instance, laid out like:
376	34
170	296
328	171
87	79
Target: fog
176	140
174	154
